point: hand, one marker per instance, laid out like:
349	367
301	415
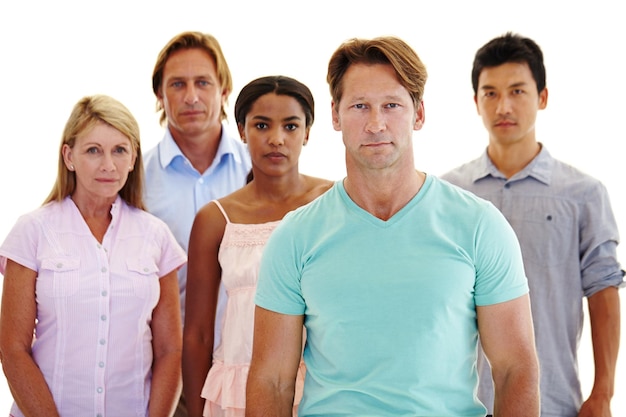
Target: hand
595	407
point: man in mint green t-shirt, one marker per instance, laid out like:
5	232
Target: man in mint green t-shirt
394	273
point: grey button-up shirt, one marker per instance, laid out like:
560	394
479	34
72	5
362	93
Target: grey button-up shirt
568	235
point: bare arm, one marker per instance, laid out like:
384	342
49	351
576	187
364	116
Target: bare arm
276	353
507	337
17	321
203	280
166	345
604	317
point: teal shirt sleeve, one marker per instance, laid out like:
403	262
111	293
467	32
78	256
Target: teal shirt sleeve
500	272
278	287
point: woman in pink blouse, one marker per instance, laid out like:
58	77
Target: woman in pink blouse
90	321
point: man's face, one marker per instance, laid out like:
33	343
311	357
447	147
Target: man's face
191	94
377	117
508	101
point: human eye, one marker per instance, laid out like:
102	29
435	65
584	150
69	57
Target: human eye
518	91
260	125
291	127
359	106
392	105
177	84
92	150
202	83
121	150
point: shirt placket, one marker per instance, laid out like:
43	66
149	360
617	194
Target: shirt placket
507	205
103	328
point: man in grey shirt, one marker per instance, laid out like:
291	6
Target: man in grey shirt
563	220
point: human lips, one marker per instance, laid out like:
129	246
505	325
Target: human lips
377	143
107	180
191	113
505	123
275	155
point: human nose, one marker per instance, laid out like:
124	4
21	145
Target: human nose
504	105
375	122
191	95
107	163
275	137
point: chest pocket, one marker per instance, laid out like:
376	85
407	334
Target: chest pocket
547	231
143	276
59	277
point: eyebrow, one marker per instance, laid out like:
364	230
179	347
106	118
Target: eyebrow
392	97
99	144
514	85
286	119
185	78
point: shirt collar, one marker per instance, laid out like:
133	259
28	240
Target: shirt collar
539	168
169	150
116	208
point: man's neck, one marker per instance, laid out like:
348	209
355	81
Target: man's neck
200	149
511	159
383	195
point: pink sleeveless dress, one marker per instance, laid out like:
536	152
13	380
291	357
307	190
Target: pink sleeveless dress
239	256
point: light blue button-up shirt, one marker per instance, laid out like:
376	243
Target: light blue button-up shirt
175	190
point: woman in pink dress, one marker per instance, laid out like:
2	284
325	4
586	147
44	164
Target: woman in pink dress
274	116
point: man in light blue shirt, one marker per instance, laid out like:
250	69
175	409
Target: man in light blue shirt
197	160
563	220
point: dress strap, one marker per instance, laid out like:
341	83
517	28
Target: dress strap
219	206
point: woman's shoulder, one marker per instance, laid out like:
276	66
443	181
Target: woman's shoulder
144	219
45	213
318	185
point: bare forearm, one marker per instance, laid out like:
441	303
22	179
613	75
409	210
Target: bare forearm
264	399
166	385
276	355
507	338
28	386
197	360
517	393
604	316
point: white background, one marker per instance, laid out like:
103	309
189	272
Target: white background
55	52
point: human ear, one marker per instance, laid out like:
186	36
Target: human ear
66	151
420	116
242	132
543	98
335	116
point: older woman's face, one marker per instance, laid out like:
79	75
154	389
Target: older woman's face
102	159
